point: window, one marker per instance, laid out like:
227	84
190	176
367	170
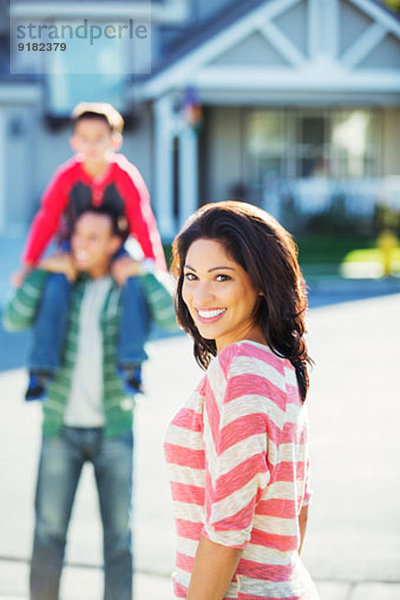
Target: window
266	145
355	147
312	145
306	143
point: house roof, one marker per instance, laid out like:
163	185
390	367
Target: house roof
193	36
72	2
199	34
170	10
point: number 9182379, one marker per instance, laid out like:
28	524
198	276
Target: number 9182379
42	46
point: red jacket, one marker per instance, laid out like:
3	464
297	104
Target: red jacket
72	190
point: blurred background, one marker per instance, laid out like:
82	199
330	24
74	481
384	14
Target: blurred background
289	104
293	105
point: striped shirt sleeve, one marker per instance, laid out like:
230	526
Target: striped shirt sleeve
158	287
235	436
20	311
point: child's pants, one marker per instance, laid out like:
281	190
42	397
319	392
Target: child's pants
50	327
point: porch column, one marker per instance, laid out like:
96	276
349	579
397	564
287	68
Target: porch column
163	171
188	173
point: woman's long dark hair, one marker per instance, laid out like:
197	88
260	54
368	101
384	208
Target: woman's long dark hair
267	252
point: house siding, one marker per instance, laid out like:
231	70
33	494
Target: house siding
391	141
225	151
22	127
353	22
253	51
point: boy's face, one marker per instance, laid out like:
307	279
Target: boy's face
93	243
94	141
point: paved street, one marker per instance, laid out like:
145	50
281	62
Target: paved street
353	544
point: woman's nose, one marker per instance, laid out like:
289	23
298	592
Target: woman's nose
203	294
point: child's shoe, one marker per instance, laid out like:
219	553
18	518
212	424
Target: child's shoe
132	378
37	385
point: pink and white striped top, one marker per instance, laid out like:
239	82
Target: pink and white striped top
238	458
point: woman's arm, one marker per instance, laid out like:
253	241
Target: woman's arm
214	567
303	518
235	443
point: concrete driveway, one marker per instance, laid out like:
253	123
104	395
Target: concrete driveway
353	543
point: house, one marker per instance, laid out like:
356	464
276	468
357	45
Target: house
298	97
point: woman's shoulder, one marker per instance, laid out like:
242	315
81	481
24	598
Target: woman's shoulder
249	369
247	351
251	359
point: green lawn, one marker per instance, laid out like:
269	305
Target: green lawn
330	249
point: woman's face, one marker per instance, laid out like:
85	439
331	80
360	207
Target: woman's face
219	295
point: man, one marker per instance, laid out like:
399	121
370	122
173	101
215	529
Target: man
87	415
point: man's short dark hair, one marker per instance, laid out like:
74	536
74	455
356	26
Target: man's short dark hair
119	222
98	110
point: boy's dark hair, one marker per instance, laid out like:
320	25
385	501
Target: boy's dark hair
119	222
98	110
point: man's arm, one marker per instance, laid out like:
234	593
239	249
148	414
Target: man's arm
214	568
158	287
20	312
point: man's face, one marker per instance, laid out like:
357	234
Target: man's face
93	243
94	141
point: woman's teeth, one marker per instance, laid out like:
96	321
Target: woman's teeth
209	314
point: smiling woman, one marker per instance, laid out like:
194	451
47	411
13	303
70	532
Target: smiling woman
238	449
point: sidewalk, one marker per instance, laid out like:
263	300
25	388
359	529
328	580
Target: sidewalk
353	544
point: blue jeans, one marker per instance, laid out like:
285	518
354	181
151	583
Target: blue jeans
60	466
50	329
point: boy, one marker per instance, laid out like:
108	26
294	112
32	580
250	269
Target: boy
95	176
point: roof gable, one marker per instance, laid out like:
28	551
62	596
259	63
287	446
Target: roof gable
254	50
304	38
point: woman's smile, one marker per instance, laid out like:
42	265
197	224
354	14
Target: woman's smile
210	315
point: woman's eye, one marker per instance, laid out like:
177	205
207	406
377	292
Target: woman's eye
190	276
223	277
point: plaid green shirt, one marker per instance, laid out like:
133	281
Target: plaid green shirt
20	313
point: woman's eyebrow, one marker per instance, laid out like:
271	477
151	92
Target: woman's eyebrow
209	270
219	268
